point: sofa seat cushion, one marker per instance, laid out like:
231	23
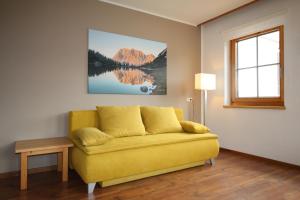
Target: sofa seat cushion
133	142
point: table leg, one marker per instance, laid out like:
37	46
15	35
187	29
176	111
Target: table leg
59	161
65	165
23	162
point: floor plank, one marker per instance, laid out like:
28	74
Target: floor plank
235	177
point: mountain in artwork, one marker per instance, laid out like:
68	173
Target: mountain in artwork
132	57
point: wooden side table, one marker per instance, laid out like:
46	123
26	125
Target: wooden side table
27	148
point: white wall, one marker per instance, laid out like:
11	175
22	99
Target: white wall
43	66
273	134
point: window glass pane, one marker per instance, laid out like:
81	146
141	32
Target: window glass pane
269	81
268	48
247	82
246	52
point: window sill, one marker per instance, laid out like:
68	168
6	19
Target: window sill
255	107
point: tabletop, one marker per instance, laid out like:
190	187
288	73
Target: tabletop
42	144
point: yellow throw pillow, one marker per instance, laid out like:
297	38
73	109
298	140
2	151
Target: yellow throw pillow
160	120
121	121
91	136
193	127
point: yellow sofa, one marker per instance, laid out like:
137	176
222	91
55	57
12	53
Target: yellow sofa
130	158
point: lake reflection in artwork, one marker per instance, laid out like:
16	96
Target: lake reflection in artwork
122	81
120	64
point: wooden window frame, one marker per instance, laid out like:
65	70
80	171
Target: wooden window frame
257	102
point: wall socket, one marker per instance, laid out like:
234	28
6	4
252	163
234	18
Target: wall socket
189	99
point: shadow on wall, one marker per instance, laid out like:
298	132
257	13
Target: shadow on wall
9	149
63	123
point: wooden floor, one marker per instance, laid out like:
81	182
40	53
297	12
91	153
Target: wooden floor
235	177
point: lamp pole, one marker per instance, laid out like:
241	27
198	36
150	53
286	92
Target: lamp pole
204	106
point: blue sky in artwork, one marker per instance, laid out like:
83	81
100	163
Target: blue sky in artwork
109	43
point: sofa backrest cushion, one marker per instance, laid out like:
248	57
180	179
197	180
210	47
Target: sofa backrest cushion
179	114
89	118
160	120
121	121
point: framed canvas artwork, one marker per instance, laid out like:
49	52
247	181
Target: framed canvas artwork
119	64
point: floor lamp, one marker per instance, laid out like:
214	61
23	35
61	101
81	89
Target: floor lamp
205	82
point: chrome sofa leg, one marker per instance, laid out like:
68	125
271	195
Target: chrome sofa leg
212	162
91	187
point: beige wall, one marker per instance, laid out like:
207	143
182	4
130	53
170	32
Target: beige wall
43	65
273	134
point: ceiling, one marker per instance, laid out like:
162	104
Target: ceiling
192	12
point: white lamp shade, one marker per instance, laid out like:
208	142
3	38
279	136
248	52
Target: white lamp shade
205	81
